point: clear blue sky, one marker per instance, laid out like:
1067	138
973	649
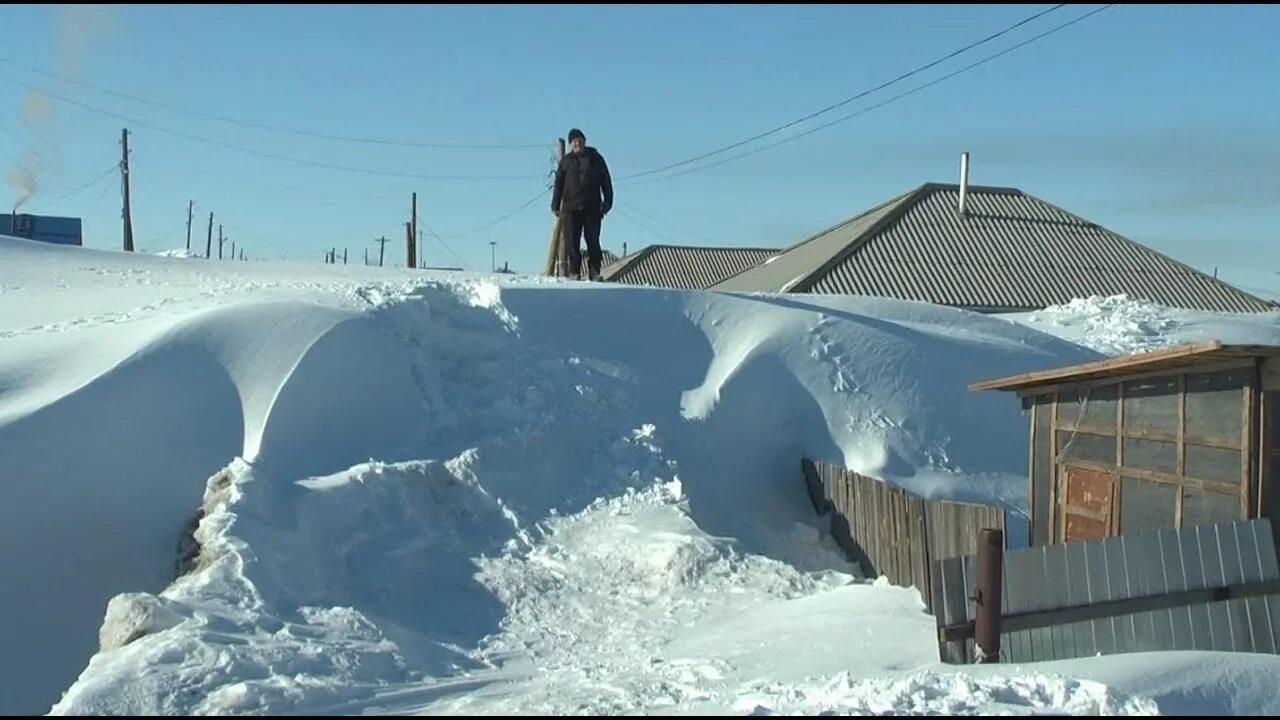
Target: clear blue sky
1155	121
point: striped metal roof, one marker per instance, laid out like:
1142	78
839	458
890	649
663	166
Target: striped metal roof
1010	252
682	267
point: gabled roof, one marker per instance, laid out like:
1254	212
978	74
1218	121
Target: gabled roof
682	267
1011	252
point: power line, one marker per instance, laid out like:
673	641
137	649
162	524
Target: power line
273	128
502	218
881	104
846	101
262	153
443	244
110	171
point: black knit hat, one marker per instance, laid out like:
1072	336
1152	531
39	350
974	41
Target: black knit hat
576	133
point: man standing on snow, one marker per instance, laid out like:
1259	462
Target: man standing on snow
584	191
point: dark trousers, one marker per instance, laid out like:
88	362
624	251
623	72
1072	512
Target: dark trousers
583	222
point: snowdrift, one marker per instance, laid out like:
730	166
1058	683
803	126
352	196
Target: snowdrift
427	494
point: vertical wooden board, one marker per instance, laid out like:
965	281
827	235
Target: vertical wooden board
1195	577
895	546
956	601
1248	438
920	557
937	581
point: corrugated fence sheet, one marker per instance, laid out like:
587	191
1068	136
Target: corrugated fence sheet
1201	587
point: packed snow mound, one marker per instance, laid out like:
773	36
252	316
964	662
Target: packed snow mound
1120	325
1113	325
934	693
178	253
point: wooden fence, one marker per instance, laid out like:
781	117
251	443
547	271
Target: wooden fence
1201	587
891	532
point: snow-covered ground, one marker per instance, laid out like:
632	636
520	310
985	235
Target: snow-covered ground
419	493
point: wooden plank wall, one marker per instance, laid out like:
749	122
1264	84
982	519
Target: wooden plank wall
891	532
1130	570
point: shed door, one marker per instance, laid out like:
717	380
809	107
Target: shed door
1088	504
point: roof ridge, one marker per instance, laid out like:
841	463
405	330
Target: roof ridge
830	229
898	208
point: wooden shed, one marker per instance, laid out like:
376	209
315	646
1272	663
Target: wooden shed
1163	439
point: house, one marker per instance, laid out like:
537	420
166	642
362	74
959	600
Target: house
988	249
681	267
1163	439
45	228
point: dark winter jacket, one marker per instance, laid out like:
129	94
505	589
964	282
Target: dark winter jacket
583	183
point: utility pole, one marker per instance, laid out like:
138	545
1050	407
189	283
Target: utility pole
233	249
408	239
556	253
421	262
220	241
190	206
241	254
493	255
124	179
366	257
344	256
382	247
413	232
208	241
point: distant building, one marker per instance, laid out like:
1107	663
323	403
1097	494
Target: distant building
44	228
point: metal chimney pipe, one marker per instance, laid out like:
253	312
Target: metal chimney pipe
964	180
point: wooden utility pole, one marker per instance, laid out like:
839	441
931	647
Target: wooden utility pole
556	253
493	255
124	178
190	206
366	257
344	256
241	254
382	247
220	241
208	241
408	239
413	233
233	249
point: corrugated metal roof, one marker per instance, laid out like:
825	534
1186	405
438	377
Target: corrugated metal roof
1011	252
682	267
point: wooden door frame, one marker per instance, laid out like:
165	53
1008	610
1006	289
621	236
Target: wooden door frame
1113	503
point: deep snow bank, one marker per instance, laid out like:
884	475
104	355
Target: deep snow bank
100	479
544	401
